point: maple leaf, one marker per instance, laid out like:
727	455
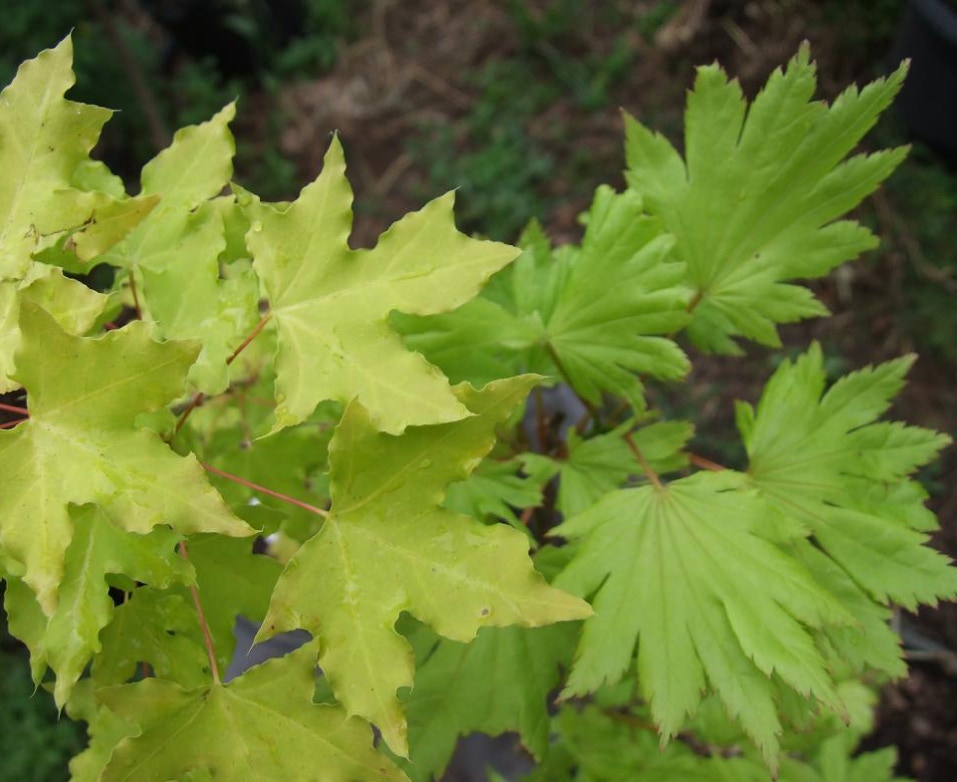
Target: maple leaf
275	731
496	683
43	138
813	453
620	292
70	638
594	315
494	490
232	580
331	303
753	205
156	627
388	547
682	570
74	306
81	445
173	253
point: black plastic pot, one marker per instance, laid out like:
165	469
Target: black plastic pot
928	101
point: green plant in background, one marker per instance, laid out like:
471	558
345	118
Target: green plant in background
34	745
446	445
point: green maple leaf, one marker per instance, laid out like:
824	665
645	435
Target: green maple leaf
620	292
173	254
43	138
74	306
155	627
498	682
813	454
755	201
682	570
70	638
274	731
388	546
594	315
231	580
494	491
188	299
331	303
81	445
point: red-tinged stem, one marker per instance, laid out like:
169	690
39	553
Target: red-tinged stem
200	397
652	475
256	487
195	402
252	335
14	409
695	301
202	622
705	464
11	424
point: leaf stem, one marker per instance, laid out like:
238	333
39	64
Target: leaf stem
650	473
11	424
695	301
14	409
136	298
256	487
252	335
207	638
703	463
553	355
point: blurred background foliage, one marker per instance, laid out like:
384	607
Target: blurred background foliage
515	103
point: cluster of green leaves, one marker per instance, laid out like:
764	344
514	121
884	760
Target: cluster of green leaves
331	439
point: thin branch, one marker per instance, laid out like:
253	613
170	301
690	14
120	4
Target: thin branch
252	335
202	622
256	487
652	475
14	409
704	464
195	402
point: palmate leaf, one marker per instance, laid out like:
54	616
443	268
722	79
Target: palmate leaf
262	725
622	293
495	490
158	628
331	303
683	571
498	682
388	546
74	306
596	315
43	138
813	453
70	637
173	254
81	445
753	204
